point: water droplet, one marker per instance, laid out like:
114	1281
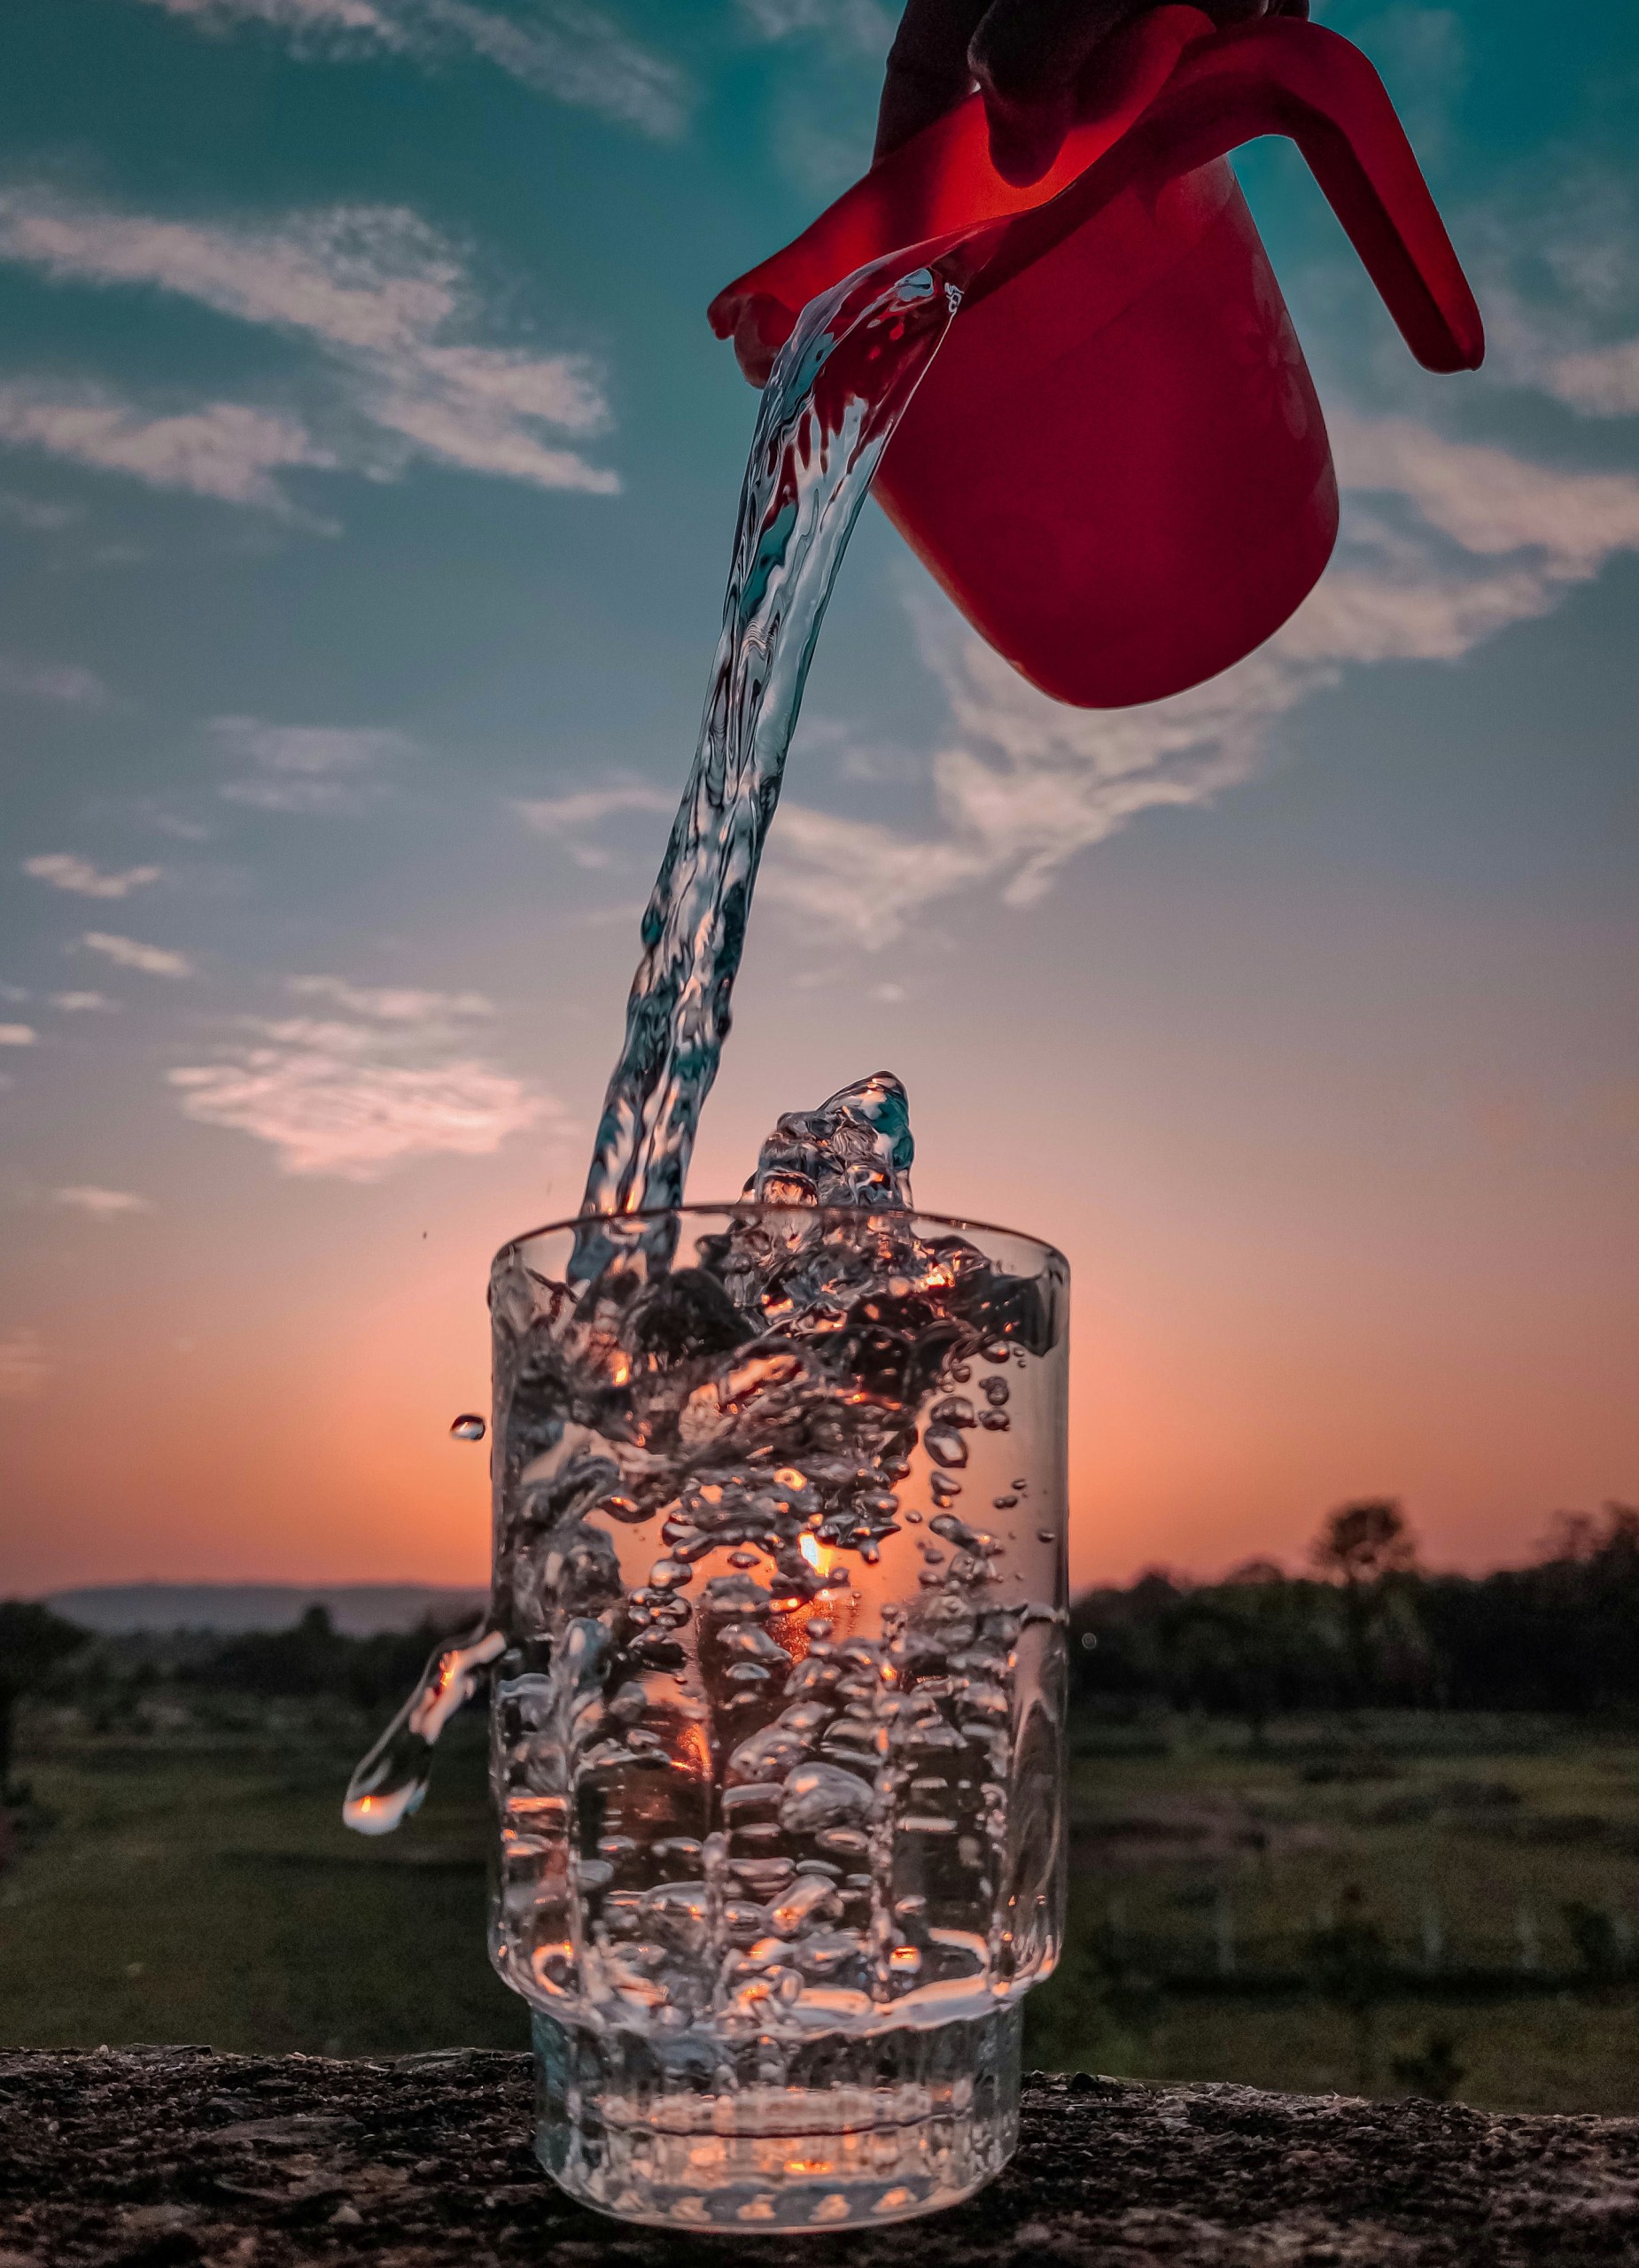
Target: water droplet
467	1427
1004	1503
995	1392
1045	1534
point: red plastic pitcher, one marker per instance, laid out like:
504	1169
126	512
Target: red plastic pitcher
1117	465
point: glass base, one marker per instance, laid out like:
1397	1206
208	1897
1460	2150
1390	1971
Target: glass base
693	2131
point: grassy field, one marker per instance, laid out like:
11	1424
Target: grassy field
1479	1876
204	1888
1486	1869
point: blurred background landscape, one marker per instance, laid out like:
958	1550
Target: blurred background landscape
1366	1828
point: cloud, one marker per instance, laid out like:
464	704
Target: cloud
126	953
862	26
75	687
382	297
101	1204
224	450
1599	381
64	871
1559	265
24	1369
390	1003
568	819
39	517
353	1097
18	1036
307	769
561	48
1446	544
83	1003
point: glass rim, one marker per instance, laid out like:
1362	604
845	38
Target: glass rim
760	1206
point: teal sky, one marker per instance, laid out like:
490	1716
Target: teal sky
366	475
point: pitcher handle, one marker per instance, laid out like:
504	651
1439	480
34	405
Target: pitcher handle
1281	75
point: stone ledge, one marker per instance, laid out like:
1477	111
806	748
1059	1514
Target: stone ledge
158	2157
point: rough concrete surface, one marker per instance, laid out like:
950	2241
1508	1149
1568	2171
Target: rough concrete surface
163	2156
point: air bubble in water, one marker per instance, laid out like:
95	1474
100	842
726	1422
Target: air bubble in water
467	1427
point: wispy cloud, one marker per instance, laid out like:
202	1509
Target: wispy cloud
391	1004
39	517
385	300
75	1004
127	952
561	48
1600	381
1447	543
224	450
101	1204
352	1097
864	25
568	819
64	681
1559	261
311	770
18	1036
24	1365
64	871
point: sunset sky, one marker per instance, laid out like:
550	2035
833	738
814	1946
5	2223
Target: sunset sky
366	476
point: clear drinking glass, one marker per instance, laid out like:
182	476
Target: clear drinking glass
777	1736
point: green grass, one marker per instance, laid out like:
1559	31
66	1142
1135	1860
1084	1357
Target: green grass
1201	1869
205	1890
194	1884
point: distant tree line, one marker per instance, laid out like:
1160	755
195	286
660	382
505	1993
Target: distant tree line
1368	1628
41	1653
313	1659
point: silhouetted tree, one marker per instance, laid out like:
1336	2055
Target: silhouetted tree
1361	1547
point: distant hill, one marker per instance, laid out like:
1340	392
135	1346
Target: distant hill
357	1609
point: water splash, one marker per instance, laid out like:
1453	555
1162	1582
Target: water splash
776	1728
391	1781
